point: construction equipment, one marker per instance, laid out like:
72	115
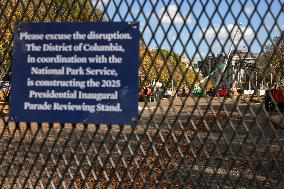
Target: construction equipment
198	91
220	67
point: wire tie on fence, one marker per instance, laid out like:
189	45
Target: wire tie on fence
17	25
12	118
134	25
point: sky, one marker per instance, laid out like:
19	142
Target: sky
196	29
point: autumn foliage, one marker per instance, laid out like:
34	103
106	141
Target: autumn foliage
12	12
166	67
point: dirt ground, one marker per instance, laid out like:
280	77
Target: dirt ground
221	143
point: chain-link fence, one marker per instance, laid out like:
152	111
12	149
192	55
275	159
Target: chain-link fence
210	101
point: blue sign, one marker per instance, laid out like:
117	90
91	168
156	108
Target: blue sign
75	73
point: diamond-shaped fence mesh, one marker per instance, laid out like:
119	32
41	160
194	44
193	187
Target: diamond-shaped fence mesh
210	100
